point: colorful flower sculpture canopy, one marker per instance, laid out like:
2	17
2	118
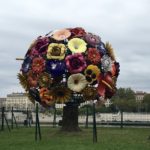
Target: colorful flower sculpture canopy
66	64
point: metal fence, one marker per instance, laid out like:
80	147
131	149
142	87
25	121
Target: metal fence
101	118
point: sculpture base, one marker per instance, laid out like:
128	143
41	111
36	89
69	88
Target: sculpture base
70	118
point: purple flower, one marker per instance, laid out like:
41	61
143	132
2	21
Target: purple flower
92	39
55	67
41	42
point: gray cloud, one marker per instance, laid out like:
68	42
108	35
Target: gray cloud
124	23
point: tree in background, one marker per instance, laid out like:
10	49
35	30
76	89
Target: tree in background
124	100
146	103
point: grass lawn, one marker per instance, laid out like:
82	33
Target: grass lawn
53	139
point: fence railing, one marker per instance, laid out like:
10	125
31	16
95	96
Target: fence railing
101	118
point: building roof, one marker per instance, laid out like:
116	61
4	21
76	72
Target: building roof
16	94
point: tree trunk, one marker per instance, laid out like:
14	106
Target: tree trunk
70	118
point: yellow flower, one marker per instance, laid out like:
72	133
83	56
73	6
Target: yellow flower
56	51
77	45
94	69
92	73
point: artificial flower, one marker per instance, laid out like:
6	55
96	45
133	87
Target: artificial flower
56	51
55	67
26	65
110	51
77	82
105	82
38	46
75	63
77	32
110	92
106	63
61	94
89	93
34	95
117	66
44	80
93	55
92	39
113	69
32	79
46	96
77	45
34	53
38	65
101	48
61	34
92	73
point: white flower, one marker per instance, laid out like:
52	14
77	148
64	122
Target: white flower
106	63
77	82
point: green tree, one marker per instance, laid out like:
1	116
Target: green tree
124	99
146	102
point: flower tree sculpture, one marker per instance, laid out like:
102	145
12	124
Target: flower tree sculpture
69	66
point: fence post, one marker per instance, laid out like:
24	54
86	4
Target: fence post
27	117
94	125
87	117
37	124
54	119
121	125
12	118
2	126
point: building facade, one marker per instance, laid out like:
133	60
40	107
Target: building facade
19	101
2	102
139	96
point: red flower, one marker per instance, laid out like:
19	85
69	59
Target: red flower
106	86
94	55
32	79
78	32
38	65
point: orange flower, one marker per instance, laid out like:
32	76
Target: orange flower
61	35
46	96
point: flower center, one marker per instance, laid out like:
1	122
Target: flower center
76	46
75	63
76	81
44	79
56	51
60	93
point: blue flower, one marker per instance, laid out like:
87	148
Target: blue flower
26	65
55	67
101	48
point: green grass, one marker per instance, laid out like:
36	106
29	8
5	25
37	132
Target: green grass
53	139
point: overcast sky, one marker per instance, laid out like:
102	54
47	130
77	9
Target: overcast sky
124	23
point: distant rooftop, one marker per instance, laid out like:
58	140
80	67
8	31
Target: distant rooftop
16	94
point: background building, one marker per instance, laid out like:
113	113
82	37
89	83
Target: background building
19	101
139	96
2	102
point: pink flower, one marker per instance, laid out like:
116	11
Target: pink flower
38	65
61	35
75	63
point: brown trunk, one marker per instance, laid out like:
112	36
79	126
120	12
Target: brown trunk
70	118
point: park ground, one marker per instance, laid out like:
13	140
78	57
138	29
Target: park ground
53	139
